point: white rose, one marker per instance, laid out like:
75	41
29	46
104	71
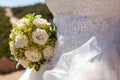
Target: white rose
40	36
33	55
22	23
48	52
24	62
12	49
20	41
40	22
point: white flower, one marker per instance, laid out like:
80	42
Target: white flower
38	16
33	55
40	22
10	35
20	41
12	49
48	52
40	36
22	23
24	62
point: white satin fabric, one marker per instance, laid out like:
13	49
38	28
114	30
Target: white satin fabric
88	41
89	62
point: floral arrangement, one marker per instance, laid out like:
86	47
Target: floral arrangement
32	41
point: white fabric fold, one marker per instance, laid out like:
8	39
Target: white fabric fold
87	62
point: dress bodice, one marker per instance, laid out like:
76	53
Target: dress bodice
78	21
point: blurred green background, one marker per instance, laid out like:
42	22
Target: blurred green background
18	12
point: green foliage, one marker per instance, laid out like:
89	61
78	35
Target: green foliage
5	28
18	12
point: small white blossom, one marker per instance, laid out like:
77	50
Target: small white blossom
22	23
48	52
33	55
38	16
40	22
20	41
12	49
10	36
24	62
40	36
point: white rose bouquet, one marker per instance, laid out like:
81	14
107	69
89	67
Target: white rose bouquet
32	41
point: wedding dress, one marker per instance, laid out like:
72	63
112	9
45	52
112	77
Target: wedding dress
88	41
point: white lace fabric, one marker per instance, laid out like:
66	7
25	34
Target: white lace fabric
82	8
77	21
75	31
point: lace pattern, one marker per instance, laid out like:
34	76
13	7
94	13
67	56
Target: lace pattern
75	31
77	22
105	8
